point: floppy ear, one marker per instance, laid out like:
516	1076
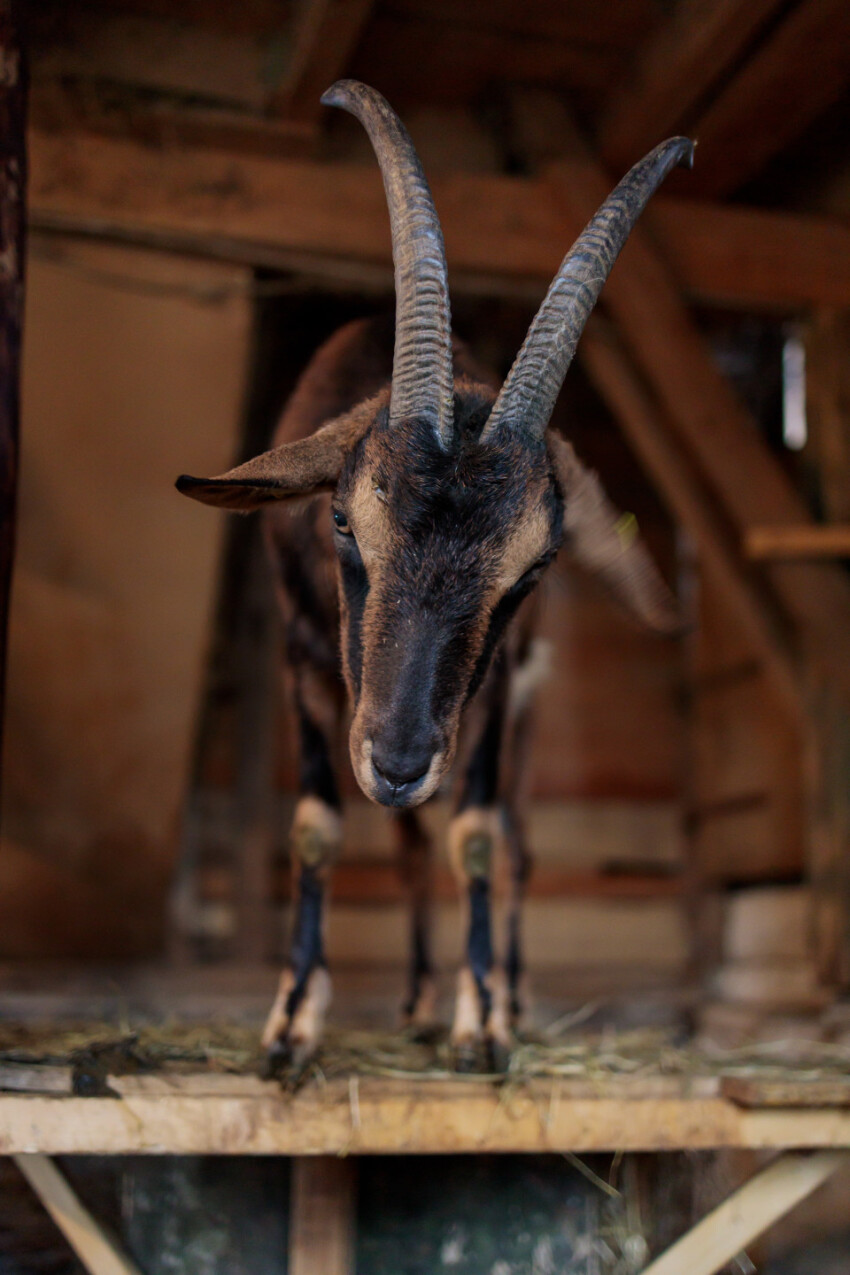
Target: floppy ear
606	542
302	468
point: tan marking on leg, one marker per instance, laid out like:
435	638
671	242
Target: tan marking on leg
308	1022
498	1025
316	835
466	1027
474	837
278	1021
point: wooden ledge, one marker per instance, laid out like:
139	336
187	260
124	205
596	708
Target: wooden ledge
211	1115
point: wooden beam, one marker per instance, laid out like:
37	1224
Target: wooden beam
95	1249
501	232
13	185
748	1213
644	425
326	36
771	544
803	68
713	426
683	60
321	1220
240	1115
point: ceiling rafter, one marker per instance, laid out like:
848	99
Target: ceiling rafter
680	64
502	233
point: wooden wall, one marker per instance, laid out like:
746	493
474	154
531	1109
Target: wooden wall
133	372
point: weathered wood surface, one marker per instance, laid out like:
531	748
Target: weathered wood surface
500	231
377	1116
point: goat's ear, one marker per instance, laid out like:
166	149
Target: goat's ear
606	542
302	468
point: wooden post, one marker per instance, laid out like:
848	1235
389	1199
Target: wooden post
95	1249
13	173
321	1236
748	1213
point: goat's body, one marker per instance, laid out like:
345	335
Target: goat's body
448	503
353	365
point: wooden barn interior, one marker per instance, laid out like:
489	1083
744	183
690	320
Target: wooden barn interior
184	224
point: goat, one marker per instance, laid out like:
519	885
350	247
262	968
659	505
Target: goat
445	501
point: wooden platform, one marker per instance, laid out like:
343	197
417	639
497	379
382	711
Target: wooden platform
240	1115
172	1063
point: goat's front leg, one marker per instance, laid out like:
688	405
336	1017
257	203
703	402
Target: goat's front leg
481	1032
294	1026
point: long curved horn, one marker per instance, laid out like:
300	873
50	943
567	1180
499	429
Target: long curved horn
527	398
422	362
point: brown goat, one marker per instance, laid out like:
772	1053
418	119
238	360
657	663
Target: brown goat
445	502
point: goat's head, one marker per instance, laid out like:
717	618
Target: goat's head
449	501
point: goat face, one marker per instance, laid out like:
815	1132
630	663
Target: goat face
437	548
448	505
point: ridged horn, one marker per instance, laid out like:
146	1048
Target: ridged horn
422	384
527	398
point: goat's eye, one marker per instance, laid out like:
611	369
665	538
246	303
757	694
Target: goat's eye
341	523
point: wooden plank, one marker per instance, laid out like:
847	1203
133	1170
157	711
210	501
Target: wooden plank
34	1078
326	35
791	79
678	66
500	232
375	1116
95	1249
13	185
321	1220
772	544
748	1213
749	1092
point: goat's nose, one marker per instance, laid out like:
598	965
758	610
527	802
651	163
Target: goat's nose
399	771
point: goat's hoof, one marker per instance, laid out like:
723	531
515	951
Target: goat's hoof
276	1061
469	1056
422	1033
499	1055
419	1015
287	1061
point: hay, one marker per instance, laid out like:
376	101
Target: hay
594	1058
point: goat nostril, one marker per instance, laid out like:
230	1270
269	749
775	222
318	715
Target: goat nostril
401	777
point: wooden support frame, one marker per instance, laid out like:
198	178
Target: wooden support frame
326	36
503	234
322	1216
642	422
241	1115
800	70
776	544
713	426
676	70
748	1213
95	1249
